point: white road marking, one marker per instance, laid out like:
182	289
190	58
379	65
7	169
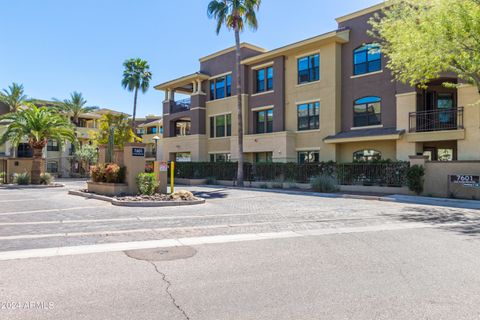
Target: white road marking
129	231
165	243
50	210
19	200
144	219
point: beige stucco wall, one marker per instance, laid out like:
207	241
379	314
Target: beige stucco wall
281	144
21	165
406	103
326	91
436	175
468	98
195	144
387	148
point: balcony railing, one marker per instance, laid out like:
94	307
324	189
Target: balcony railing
182	105
150	154
436	120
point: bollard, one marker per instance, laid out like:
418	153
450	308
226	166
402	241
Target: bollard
172	171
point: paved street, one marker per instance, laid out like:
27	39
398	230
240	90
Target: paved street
243	255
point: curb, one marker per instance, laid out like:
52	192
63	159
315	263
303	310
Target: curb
136	203
29	186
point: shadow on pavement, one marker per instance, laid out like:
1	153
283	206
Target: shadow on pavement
467	223
214	194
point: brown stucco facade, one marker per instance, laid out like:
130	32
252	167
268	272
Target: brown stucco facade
337	138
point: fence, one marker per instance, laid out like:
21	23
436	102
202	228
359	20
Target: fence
381	174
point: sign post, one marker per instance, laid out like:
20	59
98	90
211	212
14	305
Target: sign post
172	177
161	172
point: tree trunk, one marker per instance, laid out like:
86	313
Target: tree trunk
239	109
36	165
134	110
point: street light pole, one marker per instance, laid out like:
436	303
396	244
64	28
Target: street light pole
156	138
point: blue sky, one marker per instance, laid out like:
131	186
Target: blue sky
54	47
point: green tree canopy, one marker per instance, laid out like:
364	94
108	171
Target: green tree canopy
75	106
36	126
14	97
120	123
136	75
424	38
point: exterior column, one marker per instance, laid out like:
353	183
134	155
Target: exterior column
194	87
199	87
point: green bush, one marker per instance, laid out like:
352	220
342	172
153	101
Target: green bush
21	178
46	178
324	183
2	177
415	178
147	184
110	173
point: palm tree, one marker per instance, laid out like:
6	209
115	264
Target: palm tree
235	14
136	75
75	106
14	97
37	126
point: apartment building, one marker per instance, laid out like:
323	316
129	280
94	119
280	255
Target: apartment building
59	159
327	98
150	129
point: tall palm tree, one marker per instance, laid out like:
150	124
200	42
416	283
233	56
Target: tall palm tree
136	75
14	97
37	126
75	106
235	14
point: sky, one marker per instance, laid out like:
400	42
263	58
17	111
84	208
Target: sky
55	47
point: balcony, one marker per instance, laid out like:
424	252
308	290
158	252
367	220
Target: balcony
436	120
181	105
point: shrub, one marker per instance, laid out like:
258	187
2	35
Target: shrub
110	173
415	178
22	178
2	177
147	183
46	178
324	183
97	173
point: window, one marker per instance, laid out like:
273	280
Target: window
445	154
367	59
161	130
182	128
220	157
264	79
52	145
221	87
264	121
52	167
221	126
263	157
24	150
151	130
308	157
366	156
367	112
309	116
183	157
309	69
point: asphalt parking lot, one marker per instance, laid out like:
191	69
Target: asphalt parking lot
243	255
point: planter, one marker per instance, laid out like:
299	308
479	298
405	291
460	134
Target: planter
190	182
107	189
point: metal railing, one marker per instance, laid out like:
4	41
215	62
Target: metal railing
182	105
436	120
150	154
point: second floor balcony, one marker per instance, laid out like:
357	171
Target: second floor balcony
181	105
436	120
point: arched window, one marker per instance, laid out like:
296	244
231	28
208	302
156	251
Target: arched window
366	155
367	59
367	111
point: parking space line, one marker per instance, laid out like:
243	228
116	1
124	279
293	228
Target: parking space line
50	210
19	200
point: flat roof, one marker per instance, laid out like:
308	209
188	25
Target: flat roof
341	35
361	12
182	81
230	49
